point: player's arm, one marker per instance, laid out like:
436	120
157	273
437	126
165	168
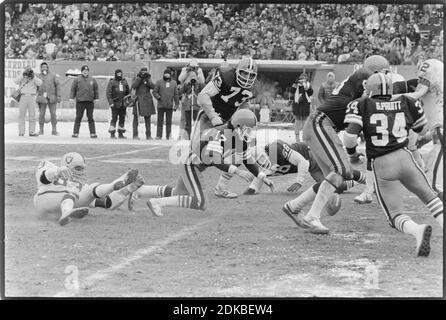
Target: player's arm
420	91
420	121
204	100
354	127
48	172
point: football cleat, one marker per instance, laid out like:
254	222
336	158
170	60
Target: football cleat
155	208
250	191
127	178
363	198
286	208
315	226
224	193
77	213
423	240
131	202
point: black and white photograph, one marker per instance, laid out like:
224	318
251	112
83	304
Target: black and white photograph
223	150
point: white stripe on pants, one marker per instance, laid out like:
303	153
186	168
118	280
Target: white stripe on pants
27	103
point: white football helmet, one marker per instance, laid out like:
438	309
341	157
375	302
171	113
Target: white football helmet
377	63
246	72
378	84
243	121
76	163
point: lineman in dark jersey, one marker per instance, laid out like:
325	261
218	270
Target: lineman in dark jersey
320	133
386	123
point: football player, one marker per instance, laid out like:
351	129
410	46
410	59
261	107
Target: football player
430	91
385	122
320	134
230	90
63	190
210	150
399	86
282	158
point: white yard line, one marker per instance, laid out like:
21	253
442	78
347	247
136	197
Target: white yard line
92	158
103	274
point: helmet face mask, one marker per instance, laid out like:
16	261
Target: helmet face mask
76	163
243	121
246	72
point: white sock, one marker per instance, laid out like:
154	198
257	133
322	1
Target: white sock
66	205
256	184
323	195
302	200
103	190
369	182
405	224
435	207
151	191
223	181
174	201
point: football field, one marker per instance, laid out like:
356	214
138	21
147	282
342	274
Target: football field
245	247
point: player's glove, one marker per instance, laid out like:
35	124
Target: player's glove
216	121
355	158
245	175
295	187
63	173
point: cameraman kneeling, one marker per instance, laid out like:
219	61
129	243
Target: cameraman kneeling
28	84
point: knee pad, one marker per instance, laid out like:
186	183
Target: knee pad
336	179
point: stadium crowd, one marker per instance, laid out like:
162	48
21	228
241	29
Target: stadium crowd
336	33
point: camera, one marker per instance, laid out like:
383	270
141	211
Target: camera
29	73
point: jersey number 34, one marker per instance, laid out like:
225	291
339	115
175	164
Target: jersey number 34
383	125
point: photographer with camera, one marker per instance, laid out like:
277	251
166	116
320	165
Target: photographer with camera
143	105
302	100
28	86
189	91
117	89
191	68
49	94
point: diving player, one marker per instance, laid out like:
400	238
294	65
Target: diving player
63	190
385	122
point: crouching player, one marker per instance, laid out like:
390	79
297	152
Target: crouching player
209	147
385	123
63	190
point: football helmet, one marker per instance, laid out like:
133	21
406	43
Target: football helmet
76	163
242	122
246	72
399	84
377	63
378	85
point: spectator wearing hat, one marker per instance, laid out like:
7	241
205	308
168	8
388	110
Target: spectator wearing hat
166	92
144	105
49	95
117	89
327	87
86	92
302	100
28	85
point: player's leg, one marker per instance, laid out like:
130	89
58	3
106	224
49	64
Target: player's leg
434	164
60	204
358	177
412	146
388	192
329	154
367	194
188	193
415	181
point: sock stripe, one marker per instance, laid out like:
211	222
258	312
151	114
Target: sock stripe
399	221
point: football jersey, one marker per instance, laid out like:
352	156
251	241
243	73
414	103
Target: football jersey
282	150
56	186
230	95
385	122
350	89
430	73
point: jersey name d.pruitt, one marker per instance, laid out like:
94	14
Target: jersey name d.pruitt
385	122
231	95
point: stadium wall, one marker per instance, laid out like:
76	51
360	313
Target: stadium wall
104	70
